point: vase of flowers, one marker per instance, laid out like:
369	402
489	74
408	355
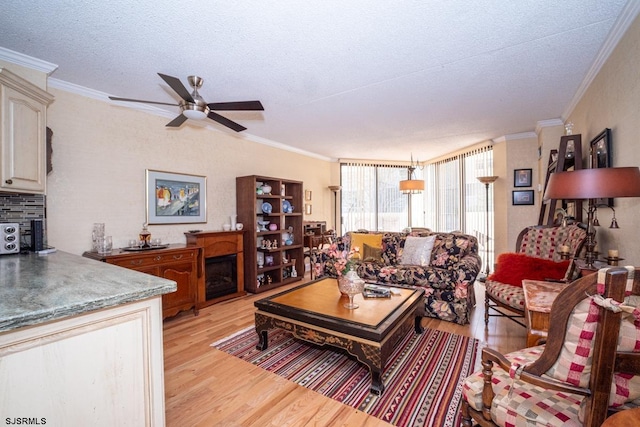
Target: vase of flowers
349	283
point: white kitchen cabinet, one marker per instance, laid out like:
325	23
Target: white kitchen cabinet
102	368
23	122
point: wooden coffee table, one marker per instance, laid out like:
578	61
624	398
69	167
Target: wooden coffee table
314	312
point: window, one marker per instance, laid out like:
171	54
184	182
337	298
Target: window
371	198
456	200
453	199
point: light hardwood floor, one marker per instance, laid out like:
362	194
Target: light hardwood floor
206	387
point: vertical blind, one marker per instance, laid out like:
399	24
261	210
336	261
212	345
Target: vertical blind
459	199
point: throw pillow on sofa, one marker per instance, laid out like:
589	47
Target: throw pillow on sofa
372	253
512	268
358	241
417	250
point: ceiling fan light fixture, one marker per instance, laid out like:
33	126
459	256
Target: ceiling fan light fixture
194	111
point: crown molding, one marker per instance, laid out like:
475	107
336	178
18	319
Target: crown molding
150	109
27	61
514	137
620	27
547	124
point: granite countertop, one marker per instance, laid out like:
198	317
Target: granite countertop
36	289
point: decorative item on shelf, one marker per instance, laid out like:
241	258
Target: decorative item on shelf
613	257
268	260
98	231
226	227
593	184
571	148
263	225
286	207
267	208
105	244
274	244
614	221
266	189
273	227
260	262
145	236
233	221
239	226
282	190
294	273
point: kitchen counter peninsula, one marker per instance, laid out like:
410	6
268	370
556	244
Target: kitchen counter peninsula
40	288
80	341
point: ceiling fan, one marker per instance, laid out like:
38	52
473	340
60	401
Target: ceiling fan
192	105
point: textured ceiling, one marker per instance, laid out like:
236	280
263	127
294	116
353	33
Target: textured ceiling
341	79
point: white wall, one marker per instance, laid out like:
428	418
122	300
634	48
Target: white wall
101	151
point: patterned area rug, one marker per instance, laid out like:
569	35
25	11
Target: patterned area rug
422	378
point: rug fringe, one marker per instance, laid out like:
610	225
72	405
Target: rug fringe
235	334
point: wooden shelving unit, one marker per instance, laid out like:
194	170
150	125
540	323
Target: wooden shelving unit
249	210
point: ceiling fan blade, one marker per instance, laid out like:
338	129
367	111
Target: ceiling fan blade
177	121
224	121
116	98
241	105
177	86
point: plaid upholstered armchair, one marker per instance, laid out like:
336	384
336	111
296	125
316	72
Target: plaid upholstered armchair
588	368
537	257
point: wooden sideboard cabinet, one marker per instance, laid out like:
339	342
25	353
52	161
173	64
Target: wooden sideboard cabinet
176	262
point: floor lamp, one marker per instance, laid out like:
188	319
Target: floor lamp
486	180
335	189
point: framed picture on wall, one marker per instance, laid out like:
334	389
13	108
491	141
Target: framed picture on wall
522	177
600	153
522	197
174	198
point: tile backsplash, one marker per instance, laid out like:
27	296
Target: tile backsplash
22	208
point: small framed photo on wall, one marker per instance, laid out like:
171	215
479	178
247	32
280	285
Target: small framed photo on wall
522	177
522	197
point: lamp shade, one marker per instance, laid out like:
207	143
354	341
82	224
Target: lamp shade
487	179
594	184
412	186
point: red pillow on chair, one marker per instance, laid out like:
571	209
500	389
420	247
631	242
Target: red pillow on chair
511	268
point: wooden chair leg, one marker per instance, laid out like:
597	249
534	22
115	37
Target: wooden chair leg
466	416
486	309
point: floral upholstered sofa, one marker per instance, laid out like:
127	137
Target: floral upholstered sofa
447	275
